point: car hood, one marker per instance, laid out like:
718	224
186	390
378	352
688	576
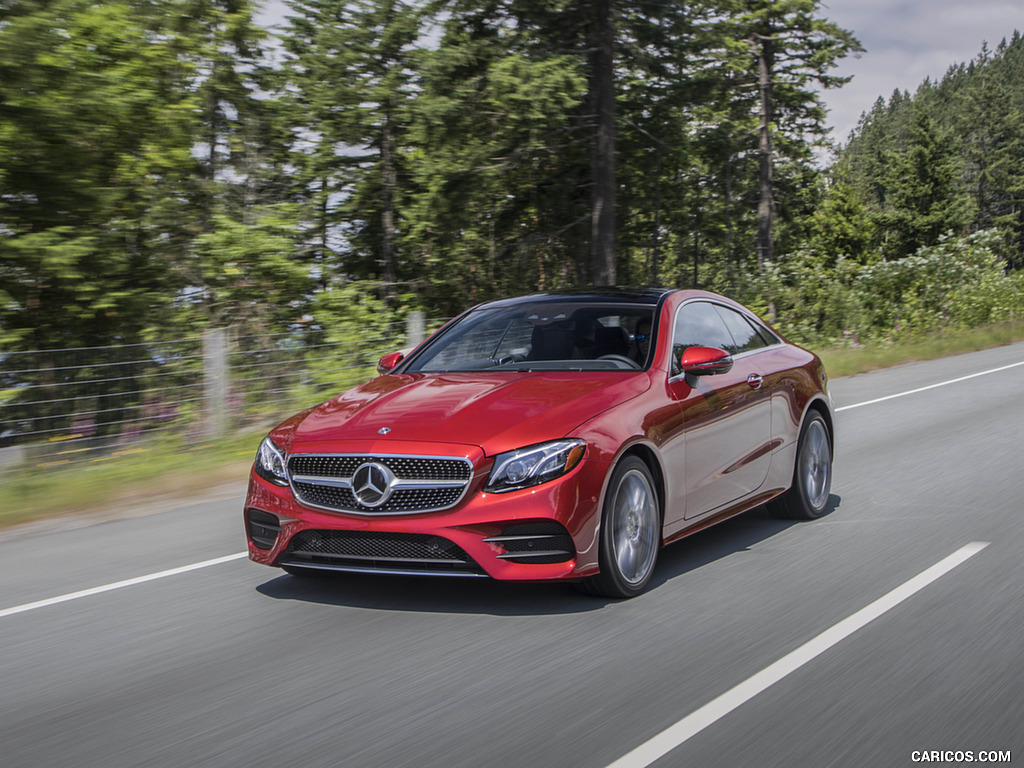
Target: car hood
497	411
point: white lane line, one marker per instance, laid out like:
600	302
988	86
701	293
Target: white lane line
930	386
120	584
713	711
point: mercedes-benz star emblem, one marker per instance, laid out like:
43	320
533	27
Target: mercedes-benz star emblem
371	484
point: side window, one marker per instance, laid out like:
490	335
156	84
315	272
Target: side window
745	336
768	336
698	325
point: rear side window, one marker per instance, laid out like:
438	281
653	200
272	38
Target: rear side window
745	336
702	324
767	334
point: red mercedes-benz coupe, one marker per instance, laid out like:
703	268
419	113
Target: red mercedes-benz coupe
564	435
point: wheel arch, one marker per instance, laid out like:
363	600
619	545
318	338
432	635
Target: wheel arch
648	456
819	405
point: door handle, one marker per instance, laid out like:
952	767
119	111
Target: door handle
755	380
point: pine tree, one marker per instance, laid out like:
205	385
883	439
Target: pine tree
349	78
96	133
792	50
501	162
921	198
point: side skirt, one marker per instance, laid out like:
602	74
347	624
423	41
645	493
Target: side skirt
725	514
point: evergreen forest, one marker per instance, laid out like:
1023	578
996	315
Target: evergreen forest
168	166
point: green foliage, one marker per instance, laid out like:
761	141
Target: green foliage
840	227
160	174
346	85
961	282
920	201
246	275
488	177
120	124
947	158
351	317
95	135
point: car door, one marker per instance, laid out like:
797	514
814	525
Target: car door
726	417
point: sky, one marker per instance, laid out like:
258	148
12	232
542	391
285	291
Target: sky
906	41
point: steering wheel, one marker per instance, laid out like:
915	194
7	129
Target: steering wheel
623	361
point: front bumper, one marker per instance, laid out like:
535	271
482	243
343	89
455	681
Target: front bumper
514	536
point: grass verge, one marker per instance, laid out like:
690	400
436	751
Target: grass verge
849	361
164	472
158	472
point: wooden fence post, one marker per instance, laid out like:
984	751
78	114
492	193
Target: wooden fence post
215	380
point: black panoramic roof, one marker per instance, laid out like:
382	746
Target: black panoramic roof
613	295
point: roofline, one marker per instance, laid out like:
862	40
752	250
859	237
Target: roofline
613	294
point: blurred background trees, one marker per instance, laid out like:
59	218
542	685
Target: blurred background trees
168	165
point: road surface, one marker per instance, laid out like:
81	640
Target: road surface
892	627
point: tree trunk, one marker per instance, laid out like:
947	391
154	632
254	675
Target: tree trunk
324	256
766	194
602	90
389	182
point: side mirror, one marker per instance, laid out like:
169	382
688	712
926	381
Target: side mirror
389	362
705	361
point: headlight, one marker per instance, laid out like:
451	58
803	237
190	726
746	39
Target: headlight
270	463
534	465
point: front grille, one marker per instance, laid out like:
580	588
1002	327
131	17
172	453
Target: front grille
263	528
412	553
343	500
540	542
417	483
345	465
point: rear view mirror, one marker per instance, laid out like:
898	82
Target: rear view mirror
389	362
705	361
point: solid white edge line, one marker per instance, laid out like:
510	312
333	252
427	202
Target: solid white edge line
120	584
694	723
930	386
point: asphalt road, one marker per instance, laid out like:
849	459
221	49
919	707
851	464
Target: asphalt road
235	664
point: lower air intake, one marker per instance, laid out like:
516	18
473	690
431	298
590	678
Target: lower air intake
263	528
403	553
536	543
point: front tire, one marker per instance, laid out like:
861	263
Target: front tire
630	532
807	498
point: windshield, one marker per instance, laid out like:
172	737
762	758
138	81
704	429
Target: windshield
549	336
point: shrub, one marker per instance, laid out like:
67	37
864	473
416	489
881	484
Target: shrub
962	282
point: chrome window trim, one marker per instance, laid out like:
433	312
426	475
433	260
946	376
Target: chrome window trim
744	313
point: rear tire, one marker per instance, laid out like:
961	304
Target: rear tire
807	498
630	533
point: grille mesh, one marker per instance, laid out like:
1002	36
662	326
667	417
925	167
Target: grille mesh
405	467
421	469
379	551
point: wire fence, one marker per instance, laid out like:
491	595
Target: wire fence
62	407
